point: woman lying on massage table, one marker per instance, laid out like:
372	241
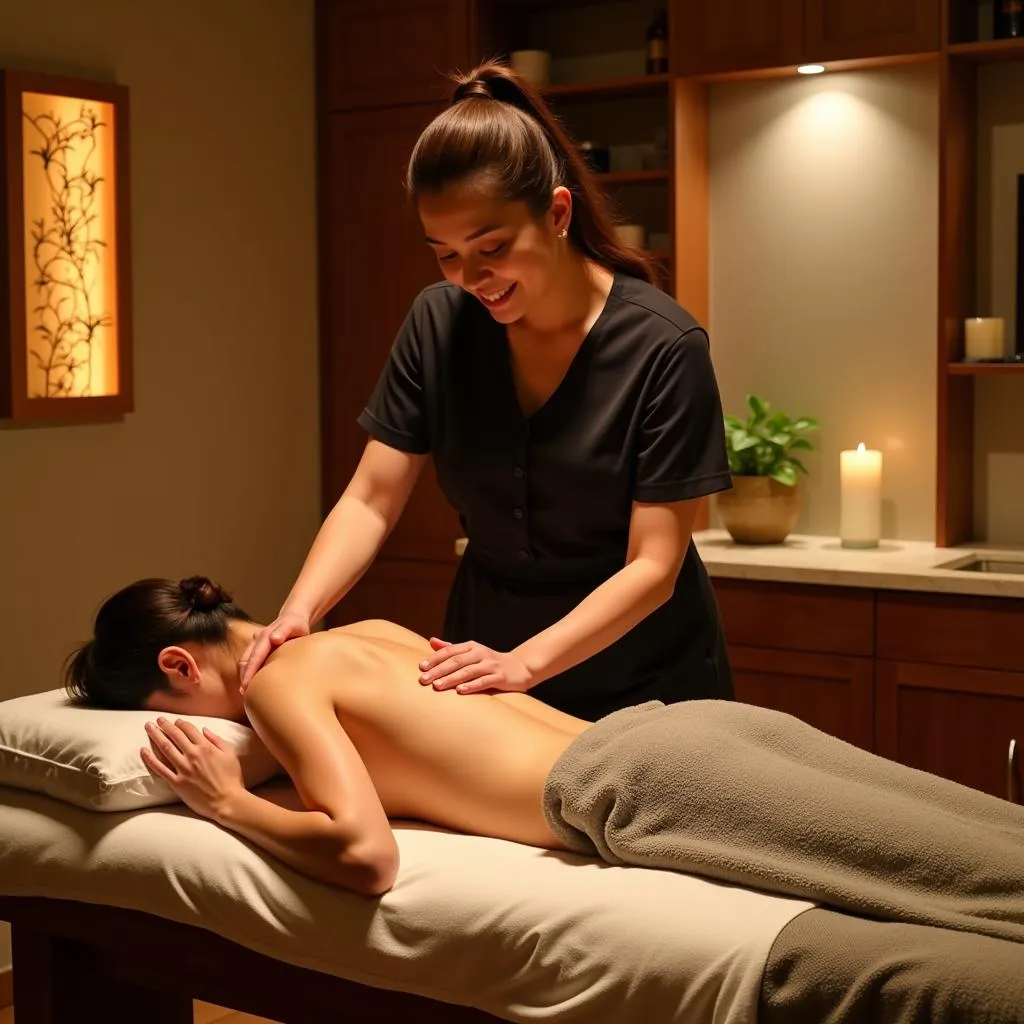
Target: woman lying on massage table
734	792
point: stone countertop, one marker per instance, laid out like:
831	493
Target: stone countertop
893	565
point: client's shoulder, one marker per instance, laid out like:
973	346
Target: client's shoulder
300	668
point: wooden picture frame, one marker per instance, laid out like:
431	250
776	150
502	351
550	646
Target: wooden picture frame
65	340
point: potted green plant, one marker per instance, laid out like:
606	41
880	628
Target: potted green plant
764	502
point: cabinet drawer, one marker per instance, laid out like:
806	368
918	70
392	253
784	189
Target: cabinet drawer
941	629
796	617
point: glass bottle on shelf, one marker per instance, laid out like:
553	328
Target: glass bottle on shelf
1008	16
657	43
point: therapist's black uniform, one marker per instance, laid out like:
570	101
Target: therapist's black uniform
545	499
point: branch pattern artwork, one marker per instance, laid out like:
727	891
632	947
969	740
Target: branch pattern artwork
68	258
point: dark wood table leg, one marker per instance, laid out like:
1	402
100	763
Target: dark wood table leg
61	981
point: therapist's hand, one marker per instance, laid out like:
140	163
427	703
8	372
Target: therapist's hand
473	668
287	626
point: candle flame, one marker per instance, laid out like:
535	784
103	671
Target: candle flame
861	447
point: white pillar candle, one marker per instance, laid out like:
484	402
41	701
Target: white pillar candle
860	498
984	338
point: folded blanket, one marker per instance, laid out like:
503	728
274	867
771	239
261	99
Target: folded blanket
761	799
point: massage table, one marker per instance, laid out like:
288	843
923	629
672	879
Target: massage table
125	905
129	916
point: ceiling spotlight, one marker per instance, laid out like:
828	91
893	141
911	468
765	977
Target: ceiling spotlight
811	69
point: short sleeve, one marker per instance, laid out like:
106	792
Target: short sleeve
681	451
395	412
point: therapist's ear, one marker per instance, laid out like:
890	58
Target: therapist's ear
560	211
180	668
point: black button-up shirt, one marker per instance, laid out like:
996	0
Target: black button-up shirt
545	500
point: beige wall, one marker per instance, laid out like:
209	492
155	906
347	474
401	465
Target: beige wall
217	470
824	272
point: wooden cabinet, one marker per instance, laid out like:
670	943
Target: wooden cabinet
955	722
832	693
950	686
934	681
803	650
722	36
374	263
734	35
383	53
797	617
848	29
943	629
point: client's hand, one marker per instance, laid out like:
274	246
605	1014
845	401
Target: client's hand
287	626
199	766
472	668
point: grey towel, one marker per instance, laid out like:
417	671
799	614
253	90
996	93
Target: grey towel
761	799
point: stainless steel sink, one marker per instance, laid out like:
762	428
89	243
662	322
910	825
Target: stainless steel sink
993	565
981	563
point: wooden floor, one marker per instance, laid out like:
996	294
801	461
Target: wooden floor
205	1013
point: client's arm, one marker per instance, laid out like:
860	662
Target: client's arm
342	838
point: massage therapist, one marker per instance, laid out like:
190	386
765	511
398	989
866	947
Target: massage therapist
574	419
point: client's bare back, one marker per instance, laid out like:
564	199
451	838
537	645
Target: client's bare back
404	649
474	763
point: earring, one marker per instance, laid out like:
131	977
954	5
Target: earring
563	232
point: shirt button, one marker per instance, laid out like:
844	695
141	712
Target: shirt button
518	513
518	472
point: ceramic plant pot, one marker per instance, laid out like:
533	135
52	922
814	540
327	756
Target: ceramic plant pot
759	510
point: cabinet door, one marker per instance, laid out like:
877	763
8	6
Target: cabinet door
953	722
834	694
716	36
381	53
843	29
374	263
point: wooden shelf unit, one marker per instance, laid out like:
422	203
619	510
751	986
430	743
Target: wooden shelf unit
711	44
611	88
961	58
985	369
620	105
988	51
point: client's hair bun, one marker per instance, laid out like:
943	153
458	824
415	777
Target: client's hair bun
203	595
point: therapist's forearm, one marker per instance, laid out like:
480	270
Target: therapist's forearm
344	548
602	617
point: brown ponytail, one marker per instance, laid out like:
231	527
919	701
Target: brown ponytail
499	128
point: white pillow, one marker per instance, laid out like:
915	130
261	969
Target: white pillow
90	757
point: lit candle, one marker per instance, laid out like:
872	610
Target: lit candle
984	338
860	498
